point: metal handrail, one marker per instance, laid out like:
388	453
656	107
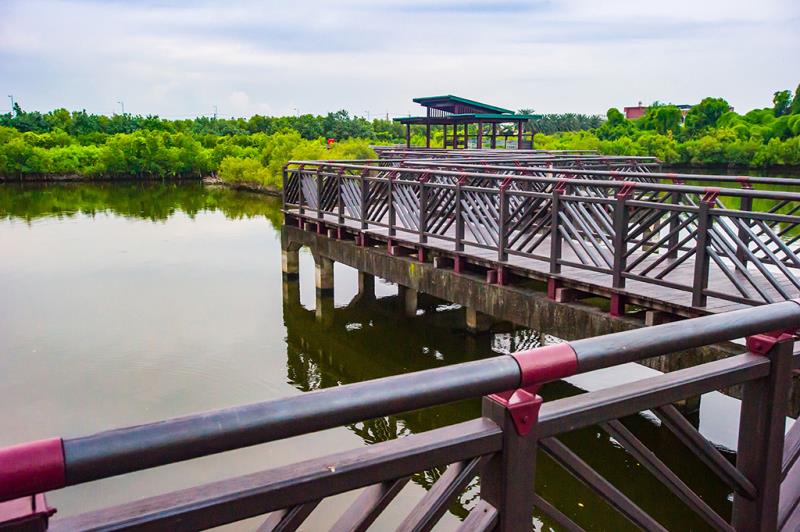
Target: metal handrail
140	447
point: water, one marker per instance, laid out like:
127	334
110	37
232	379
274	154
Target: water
126	304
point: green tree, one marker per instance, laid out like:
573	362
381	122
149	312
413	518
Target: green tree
782	102
796	101
705	115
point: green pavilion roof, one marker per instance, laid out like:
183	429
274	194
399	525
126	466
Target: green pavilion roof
448	100
466	117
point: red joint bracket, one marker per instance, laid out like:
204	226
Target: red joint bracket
537	366
761	344
462	179
502	276
505	183
523	407
561	186
711	195
424	178
30	468
744	181
27	513
617	305
626	189
552	286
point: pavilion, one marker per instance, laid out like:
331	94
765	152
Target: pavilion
449	110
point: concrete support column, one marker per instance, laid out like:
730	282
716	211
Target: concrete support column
291	291
477	322
290	262
323	273
366	285
408	298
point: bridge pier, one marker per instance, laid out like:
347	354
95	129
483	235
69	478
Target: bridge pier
477	322
366	285
290	261
291	291
409	298
323	272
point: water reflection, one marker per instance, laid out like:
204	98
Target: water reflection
145	200
109	320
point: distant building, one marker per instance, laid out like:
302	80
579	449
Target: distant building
632	113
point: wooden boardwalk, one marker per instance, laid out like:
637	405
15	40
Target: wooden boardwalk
687	250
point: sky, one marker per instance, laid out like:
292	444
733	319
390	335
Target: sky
180	59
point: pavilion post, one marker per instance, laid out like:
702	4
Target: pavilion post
494	135
444	137
519	134
408	135
427	134
455	136
479	144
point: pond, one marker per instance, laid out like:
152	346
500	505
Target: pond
130	303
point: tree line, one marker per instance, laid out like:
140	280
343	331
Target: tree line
711	133
254	150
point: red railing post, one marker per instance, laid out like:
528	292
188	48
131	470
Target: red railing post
762	424
507	481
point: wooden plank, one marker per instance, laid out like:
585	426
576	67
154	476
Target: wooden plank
482	518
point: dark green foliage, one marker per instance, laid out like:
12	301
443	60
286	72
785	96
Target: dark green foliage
782	102
704	116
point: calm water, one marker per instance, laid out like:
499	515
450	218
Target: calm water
124	304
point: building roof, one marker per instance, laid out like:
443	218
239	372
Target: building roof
448	103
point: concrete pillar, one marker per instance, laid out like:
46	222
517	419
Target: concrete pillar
291	292
408	298
323	273
477	322
290	261
366	285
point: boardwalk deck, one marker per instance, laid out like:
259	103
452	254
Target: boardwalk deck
598	283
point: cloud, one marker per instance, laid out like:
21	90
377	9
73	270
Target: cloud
245	56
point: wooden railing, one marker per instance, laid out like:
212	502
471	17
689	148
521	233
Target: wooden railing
500	447
736	245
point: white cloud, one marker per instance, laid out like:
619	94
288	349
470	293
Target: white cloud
181	59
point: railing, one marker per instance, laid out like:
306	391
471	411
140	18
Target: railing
500	447
734	245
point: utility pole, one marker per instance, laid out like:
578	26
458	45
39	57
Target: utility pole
296	111
11	97
215	112
122	104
